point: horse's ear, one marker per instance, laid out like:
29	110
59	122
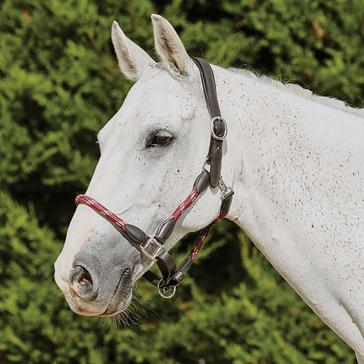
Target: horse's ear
131	58
170	47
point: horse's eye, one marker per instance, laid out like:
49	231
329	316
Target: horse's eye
159	138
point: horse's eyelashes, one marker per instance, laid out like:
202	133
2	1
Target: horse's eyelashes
159	139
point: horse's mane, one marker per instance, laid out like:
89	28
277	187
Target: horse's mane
300	91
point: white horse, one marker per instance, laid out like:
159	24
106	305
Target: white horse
295	161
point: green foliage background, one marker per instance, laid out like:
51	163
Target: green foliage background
59	83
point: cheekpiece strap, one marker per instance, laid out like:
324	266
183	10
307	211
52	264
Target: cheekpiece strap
218	124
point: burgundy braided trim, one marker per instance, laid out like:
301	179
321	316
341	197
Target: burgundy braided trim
101	210
200	242
220	217
185	204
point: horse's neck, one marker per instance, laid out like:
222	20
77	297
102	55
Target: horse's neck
298	164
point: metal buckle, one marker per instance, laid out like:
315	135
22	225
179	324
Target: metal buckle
217	137
163	291
152	248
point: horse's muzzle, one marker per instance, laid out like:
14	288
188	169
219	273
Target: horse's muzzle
100	278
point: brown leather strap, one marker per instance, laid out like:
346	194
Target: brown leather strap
209	86
214	156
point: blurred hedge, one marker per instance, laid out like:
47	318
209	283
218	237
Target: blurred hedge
59	85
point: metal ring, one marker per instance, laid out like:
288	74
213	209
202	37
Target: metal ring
163	291
213	131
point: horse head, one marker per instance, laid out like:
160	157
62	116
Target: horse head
151	152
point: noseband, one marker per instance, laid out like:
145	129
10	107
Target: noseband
152	247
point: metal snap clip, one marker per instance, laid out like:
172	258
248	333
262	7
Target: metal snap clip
224	190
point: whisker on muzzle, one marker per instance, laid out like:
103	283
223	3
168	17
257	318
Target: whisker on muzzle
132	316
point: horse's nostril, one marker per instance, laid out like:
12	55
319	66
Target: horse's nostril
84	279
81	283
